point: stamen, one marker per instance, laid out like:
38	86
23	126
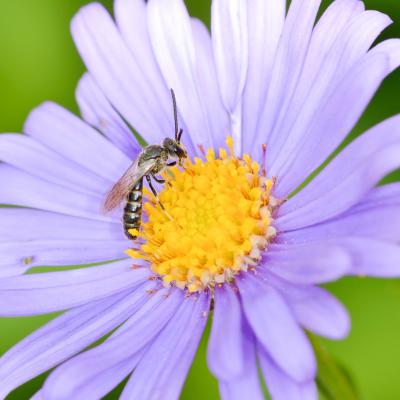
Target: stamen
264	160
217	221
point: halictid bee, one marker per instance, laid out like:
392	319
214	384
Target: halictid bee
151	161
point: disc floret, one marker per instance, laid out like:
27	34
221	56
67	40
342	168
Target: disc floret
216	223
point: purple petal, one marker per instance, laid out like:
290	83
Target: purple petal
376	216
30	238
282	387
131	18
360	34
225	353
230	45
122	75
65	336
54	291
328	49
48	196
346	179
391	48
275	327
97	111
29	155
208	84
292	50
265	24
93	387
319	72
247	385
163	369
74	379
67	135
335	118
30	225
373	257
322	314
50	252
173	44
309	263
37	396
314	308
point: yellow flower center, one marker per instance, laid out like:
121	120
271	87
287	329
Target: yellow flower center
216	222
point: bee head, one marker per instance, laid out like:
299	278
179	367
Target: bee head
175	149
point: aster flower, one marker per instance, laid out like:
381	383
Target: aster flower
283	92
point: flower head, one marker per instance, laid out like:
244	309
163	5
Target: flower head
228	231
215	222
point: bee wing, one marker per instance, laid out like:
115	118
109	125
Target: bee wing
121	189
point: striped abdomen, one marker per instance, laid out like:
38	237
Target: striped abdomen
133	209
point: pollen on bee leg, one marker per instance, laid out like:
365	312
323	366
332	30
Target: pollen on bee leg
221	222
134	232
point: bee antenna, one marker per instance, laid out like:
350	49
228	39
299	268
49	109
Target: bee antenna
177	132
179	135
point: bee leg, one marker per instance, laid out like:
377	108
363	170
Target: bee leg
171	164
154	190
159	180
156	196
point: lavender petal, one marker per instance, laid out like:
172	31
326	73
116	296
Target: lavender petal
48	196
55	291
265	24
31	156
318	262
347	179
163	369
208	84
65	336
120	75
335	118
74	378
247	384
98	112
314	308
30	225
230	45
292	50
282	387
275	327
173	45
225	353
376	216
66	134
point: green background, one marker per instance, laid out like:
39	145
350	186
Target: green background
39	62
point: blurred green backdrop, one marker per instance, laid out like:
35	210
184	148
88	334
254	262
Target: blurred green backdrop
39	62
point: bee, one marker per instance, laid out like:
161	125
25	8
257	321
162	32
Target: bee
153	160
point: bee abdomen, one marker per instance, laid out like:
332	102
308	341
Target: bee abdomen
133	210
